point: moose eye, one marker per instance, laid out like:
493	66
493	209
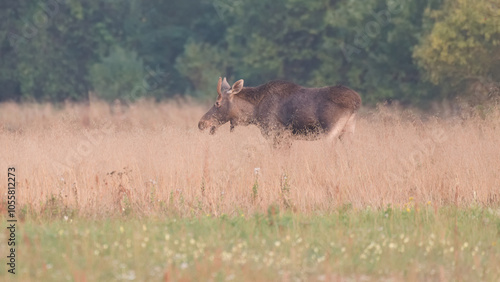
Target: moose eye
217	104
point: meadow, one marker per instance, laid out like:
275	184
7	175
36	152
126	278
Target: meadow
136	192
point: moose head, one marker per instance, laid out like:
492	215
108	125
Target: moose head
226	107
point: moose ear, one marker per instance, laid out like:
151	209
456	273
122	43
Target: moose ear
237	86
225	86
219	84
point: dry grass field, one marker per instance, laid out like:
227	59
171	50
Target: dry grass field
148	158
136	192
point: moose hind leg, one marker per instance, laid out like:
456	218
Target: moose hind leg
337	128
349	128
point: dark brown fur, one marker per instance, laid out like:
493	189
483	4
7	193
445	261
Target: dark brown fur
279	107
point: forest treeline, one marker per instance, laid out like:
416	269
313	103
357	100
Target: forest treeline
410	51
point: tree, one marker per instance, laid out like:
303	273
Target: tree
410	51
56	42
162	31
202	64
366	45
10	13
463	44
119	76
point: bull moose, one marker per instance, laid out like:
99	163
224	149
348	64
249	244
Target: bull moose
282	109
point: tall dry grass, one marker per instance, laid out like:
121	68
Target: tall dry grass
150	158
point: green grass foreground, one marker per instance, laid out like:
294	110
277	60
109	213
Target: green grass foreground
429	244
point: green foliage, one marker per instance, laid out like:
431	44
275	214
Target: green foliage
366	45
120	75
276	40
53	44
463	43
376	39
202	64
160	31
412	51
461	51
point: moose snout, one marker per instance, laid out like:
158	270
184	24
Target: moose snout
203	124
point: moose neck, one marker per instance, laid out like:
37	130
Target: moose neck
245	109
251	94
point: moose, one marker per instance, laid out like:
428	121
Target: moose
284	109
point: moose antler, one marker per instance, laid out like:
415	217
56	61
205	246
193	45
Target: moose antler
219	84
